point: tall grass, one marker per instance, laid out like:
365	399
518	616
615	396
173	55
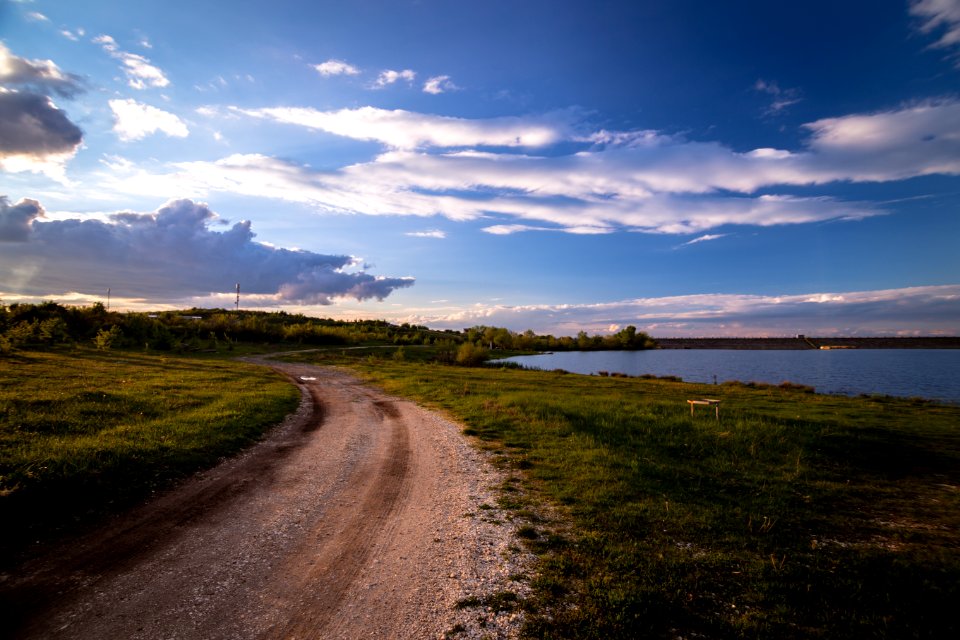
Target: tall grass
83	431
792	516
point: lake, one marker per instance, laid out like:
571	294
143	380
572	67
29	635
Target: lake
927	373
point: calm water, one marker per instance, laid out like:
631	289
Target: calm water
927	373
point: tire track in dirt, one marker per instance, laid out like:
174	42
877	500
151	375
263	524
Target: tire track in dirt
347	521
340	559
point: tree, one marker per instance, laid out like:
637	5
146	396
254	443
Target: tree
107	337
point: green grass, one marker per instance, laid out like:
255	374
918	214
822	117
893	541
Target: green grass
794	516
85	432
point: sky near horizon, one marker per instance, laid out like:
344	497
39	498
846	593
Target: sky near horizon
689	167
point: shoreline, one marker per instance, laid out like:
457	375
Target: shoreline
809	343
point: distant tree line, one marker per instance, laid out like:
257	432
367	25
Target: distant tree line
494	338
49	323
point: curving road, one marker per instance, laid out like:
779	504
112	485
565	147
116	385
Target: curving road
358	517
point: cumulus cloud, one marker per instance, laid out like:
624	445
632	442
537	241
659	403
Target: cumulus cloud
336	68
35	135
925	309
170	254
39	76
16	219
408	130
141	74
390	76
942	17
134	120
439	84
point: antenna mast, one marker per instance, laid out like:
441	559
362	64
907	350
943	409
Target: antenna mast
237	304
108	299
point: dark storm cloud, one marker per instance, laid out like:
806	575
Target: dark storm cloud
31	125
172	254
16	219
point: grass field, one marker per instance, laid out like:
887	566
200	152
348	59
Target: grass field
794	516
83	432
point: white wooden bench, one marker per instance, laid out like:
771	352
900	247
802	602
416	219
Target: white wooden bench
706	402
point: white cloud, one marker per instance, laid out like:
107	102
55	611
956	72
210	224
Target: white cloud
780	99
36	16
336	68
170	254
134	120
439	84
38	75
924	309
942	16
916	140
433	233
141	74
610	181
705	238
390	76
408	130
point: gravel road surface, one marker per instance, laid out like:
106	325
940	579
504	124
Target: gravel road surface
361	516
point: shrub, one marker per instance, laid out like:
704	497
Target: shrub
471	355
107	337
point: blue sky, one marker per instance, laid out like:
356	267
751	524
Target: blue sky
689	167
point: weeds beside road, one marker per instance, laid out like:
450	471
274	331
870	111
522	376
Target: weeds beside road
83	432
794	515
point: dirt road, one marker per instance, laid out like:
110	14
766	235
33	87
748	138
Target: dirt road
360	516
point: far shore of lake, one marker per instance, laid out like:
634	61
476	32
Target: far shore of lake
811	342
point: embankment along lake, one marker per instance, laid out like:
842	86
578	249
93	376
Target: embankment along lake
927	373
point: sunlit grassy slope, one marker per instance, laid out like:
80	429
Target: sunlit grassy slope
794	515
81	430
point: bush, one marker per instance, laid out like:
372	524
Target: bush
471	355
107	337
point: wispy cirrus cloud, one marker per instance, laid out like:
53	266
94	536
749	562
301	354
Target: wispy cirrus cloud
432	233
941	17
167	255
74	35
780	99
334	67
609	181
134	120
705	238
141	74
408	130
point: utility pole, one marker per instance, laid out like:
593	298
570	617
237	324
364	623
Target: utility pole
237	304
